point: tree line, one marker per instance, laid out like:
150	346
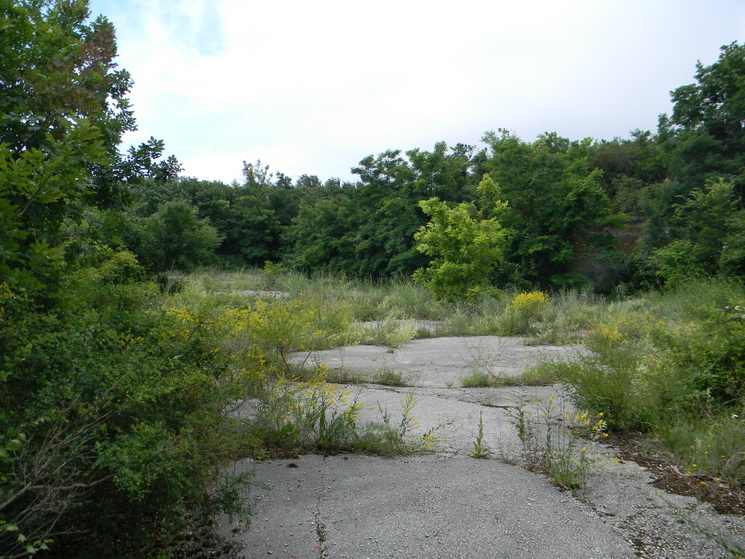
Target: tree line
637	212
634	212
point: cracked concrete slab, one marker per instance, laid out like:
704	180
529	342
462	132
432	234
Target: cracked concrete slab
417	507
446	504
438	362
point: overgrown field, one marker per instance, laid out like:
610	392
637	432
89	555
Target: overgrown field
121	403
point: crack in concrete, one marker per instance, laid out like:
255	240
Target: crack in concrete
320	525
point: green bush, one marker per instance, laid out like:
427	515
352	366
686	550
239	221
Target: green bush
119	398
175	238
672	365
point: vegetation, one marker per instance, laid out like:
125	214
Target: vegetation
672	366
554	439
124	386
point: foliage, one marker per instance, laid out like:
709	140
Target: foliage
679	379
710	236
703	136
39	189
388	332
63	109
175	239
524	312
387	377
465	248
118	402
480	450
282	325
121	396
550	437
556	207
478	379
309	414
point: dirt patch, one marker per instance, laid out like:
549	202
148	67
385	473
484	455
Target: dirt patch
725	498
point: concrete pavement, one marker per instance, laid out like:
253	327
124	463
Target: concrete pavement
446	504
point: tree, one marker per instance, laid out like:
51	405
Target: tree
705	136
465	247
174	238
321	235
63	110
557	208
628	167
708	236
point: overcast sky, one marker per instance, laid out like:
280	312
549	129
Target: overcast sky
313	87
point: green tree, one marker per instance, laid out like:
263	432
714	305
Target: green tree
705	137
174	238
63	109
709	232
557	208
387	199
628	167
465	247
321	236
108	402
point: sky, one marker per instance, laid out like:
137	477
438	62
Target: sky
314	87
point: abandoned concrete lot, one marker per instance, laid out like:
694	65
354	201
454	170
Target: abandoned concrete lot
447	504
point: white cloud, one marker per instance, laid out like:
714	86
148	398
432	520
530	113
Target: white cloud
314	87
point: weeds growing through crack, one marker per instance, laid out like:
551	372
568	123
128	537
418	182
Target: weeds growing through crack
554	438
388	377
389	437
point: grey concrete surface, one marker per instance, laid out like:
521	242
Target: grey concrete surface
435	362
446	504
424	506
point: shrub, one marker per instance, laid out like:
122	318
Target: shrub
119	400
523	313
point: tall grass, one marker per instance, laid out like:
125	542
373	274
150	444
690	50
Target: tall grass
670	364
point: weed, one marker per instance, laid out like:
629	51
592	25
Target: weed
544	373
477	379
480	450
387	377
400	434
344	376
308	414
388	332
551	448
524	313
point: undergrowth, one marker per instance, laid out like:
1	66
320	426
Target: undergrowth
134	393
